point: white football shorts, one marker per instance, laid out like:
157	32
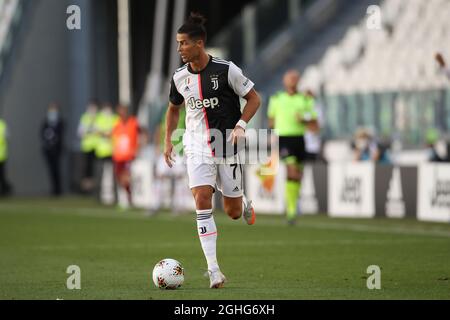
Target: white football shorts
226	176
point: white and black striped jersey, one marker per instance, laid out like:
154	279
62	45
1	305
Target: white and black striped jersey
212	101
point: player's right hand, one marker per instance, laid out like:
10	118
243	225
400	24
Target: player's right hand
168	154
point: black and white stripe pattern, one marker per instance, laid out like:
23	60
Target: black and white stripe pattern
217	60
220	81
182	68
204	215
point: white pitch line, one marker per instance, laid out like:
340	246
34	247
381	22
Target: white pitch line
265	244
375	229
342	225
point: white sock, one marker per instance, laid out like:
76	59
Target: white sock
244	200
207	233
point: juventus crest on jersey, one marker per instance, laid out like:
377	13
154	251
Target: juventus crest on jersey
212	103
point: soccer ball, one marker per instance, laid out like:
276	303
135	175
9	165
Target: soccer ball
168	274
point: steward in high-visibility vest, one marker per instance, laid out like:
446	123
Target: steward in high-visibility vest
5	187
104	124
89	140
3	142
86	130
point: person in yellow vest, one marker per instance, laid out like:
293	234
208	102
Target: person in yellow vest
89	138
104	124
5	187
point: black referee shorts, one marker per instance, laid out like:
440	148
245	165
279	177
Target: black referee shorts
292	149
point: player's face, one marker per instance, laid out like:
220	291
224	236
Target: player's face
188	49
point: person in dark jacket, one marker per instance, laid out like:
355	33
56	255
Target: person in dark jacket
52	134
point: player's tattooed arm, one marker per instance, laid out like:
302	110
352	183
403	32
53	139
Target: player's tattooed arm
250	109
252	106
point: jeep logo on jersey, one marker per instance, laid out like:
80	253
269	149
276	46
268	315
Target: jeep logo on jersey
205	103
215	82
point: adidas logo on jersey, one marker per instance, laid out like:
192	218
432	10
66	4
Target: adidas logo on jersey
187	89
205	103
236	189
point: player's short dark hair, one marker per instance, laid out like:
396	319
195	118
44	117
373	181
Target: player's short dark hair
194	27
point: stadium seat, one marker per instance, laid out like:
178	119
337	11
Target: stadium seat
400	59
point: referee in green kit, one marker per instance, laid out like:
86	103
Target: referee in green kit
290	113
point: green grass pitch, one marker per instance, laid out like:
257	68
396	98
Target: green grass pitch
319	258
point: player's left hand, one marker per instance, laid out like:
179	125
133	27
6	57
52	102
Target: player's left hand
237	135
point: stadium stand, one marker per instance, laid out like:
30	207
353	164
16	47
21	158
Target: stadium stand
10	11
356	63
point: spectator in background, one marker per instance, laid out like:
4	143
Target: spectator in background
442	65
89	138
52	136
5	187
365	147
438	151
384	147
125	137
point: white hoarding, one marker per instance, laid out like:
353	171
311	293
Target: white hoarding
434	192
351	191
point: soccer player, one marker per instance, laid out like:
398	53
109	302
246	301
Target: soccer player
290	113
209	88
125	147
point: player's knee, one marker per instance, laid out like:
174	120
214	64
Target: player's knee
203	200
234	213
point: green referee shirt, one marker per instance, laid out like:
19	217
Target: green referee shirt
286	110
